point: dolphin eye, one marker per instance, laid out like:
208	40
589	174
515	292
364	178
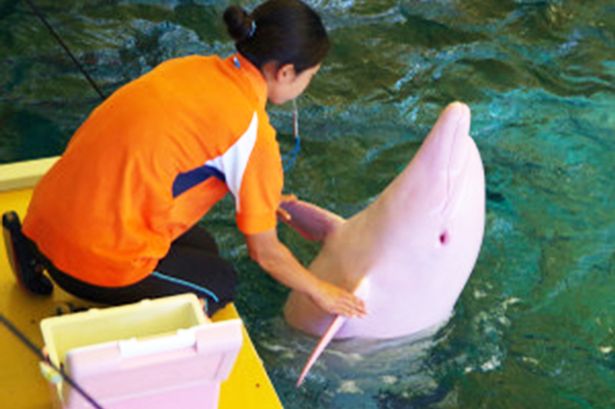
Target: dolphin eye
444	238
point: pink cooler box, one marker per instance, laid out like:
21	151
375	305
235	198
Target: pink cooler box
180	367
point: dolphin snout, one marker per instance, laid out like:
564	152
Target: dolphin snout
458	109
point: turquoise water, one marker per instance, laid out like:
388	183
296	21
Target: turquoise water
534	327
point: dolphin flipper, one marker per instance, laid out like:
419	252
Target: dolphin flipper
312	222
320	347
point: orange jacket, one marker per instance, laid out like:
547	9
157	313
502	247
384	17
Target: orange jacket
150	161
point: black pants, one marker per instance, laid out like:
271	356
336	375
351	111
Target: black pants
192	265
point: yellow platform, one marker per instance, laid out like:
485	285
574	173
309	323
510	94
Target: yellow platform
22	386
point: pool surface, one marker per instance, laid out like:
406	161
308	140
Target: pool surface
535	325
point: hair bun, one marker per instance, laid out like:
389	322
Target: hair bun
238	23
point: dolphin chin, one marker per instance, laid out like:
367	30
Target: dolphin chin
410	252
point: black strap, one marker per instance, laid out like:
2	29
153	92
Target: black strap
55	35
22	337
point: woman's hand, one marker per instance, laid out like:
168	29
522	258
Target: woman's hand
276	259
336	300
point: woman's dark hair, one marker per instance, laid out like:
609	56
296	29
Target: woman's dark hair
284	31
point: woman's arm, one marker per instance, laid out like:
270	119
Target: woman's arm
275	258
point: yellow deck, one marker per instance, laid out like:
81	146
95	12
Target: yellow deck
22	386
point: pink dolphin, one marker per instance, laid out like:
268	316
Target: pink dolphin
410	252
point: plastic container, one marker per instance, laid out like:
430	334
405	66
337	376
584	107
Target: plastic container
161	353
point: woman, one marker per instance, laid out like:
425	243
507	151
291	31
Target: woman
114	220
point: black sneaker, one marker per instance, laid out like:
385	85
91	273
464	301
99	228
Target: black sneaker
23	257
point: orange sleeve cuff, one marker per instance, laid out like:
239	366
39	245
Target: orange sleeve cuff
250	224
